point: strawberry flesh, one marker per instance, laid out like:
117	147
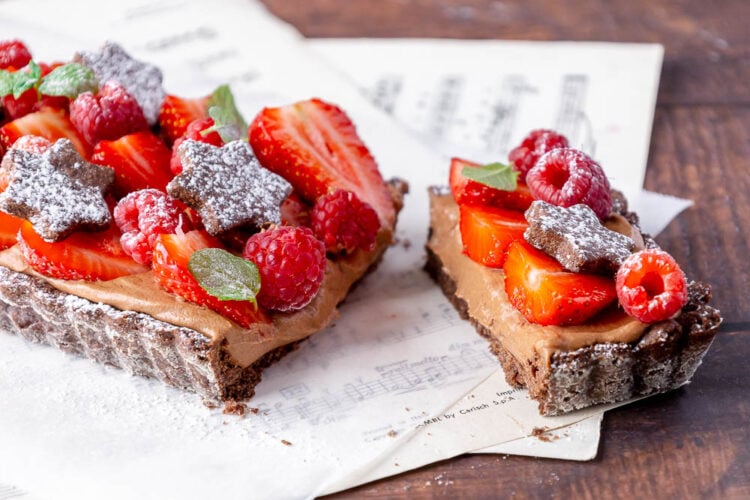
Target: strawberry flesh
81	256
50	123
171	256
469	192
9	226
315	146
140	161
546	294
177	113
486	232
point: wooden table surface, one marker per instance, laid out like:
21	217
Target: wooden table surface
694	442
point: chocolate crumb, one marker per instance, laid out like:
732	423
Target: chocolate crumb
234	408
286	443
254	410
392	433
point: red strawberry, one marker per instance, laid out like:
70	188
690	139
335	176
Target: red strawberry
177	112
52	124
81	256
9	226
486	232
545	293
467	191
171	256
140	161
315	146
31	101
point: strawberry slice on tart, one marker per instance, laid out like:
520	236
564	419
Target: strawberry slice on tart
487	232
470	192
314	145
50	123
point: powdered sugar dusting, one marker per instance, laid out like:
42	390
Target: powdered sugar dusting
227	186
142	80
58	191
576	238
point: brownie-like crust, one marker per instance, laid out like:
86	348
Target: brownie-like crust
664	358
133	341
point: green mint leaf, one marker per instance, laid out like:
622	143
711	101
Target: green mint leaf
494	175
6	82
69	80
228	121
23	81
225	276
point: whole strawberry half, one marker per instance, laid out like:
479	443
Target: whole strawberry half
487	232
52	124
314	145
81	256
140	161
545	293
177	113
467	191
171	256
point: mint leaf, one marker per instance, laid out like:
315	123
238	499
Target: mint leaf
6	82
494	175
228	121
69	80
225	276
23	81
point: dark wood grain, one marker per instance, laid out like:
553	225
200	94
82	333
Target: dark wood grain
692	443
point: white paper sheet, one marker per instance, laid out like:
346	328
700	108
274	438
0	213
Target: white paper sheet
347	401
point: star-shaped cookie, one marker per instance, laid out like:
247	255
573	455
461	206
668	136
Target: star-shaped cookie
142	80
57	191
227	186
575	237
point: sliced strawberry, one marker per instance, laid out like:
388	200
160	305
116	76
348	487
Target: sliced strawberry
177	112
9	226
545	293
171	256
81	256
466	191
140	161
486	232
315	146
31	100
50	123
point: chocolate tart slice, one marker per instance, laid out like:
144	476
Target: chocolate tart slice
567	368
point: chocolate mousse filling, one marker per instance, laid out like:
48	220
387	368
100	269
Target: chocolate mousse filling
613	358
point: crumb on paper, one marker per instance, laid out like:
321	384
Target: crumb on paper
392	433
286	443
406	243
542	433
254	410
210	405
235	408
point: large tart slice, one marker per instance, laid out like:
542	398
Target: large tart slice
578	305
165	236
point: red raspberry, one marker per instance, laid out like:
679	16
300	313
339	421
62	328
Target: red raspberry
13	54
344	223
142	216
651	286
567	177
109	115
194	132
533	146
292	263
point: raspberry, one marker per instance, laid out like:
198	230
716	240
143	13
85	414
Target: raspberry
651	286
109	115
533	146
142	216
566	177
194	132
13	54
344	223
291	262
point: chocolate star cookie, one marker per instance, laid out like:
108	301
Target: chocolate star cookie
575	237
227	186
58	191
